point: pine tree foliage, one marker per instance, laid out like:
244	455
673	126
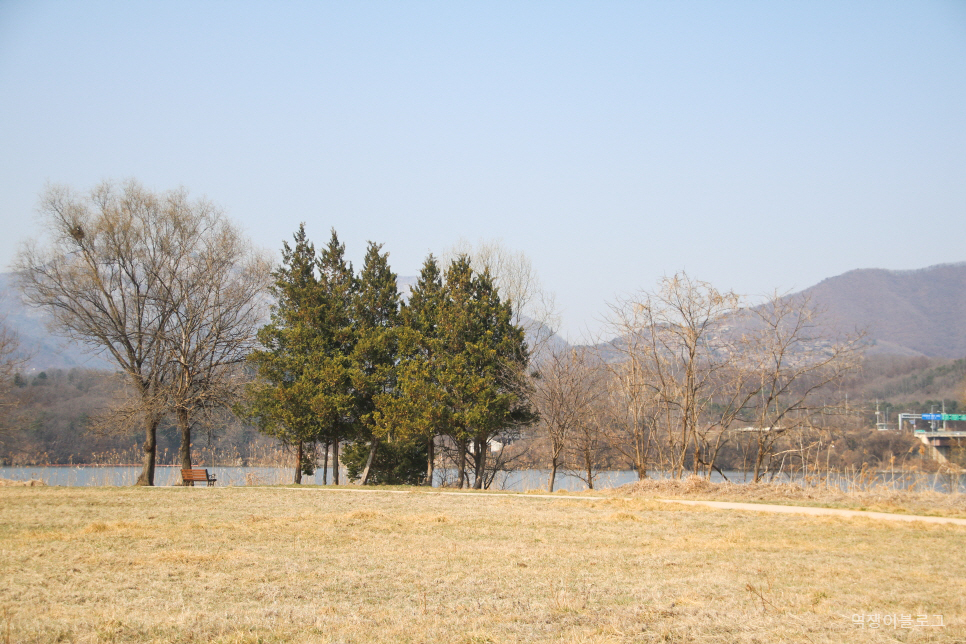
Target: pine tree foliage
344	362
282	400
375	354
394	462
488	357
463	364
413	414
335	402
416	411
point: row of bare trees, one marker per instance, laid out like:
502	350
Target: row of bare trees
165	287
692	370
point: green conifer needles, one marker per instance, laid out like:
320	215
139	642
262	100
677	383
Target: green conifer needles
342	361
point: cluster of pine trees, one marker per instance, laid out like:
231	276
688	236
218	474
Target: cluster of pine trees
344	362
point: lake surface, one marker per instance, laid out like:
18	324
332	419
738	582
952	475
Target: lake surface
519	481
164	475
121	475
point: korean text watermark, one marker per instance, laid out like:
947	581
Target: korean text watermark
896	621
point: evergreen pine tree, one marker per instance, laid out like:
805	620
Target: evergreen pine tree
280	400
418	412
334	403
497	354
421	321
463	364
374	356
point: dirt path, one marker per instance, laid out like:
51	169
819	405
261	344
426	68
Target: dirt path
721	505
836	512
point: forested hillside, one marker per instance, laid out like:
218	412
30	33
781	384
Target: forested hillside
906	313
54	416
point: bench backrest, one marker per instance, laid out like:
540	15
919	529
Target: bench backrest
194	475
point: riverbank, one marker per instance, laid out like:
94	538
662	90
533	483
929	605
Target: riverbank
270	564
15	483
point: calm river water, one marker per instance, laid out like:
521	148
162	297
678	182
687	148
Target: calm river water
520	481
120	475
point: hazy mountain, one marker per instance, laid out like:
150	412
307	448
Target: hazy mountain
44	349
918	312
48	351
906	313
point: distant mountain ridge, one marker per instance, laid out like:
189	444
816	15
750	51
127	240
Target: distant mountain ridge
48	351
918	312
911	312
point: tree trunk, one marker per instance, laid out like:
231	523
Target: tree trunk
553	474
184	452
461	445
298	464
696	457
479	459
325	465
372	456
335	462
759	460
430	464
150	448
639	460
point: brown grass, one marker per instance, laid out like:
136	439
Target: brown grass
880	498
13	483
282	565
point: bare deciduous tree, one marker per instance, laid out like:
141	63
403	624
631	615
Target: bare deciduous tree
800	360
112	273
630	407
219	304
534	308
692	363
591	443
563	394
674	355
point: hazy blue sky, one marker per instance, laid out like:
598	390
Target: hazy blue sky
757	145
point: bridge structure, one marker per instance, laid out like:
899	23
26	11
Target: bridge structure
935	432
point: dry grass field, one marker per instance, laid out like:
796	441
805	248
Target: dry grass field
230	564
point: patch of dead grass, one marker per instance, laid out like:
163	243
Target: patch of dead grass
364	515
622	516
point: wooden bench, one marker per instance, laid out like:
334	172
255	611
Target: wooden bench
200	476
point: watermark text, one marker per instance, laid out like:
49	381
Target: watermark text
896	621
